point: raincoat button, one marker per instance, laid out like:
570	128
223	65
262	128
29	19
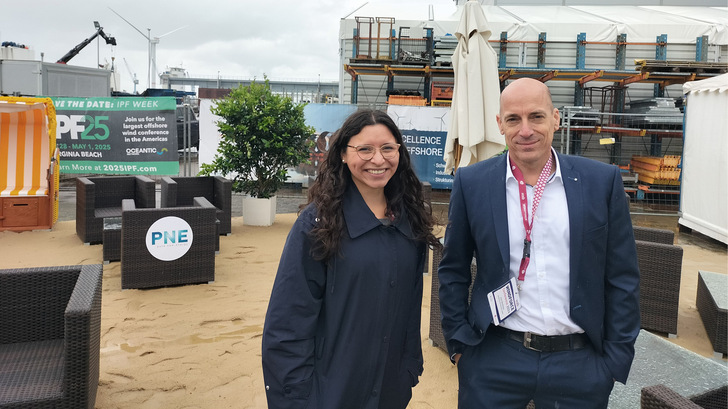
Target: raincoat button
393	283
374	392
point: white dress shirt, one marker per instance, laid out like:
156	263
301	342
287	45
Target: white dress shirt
545	290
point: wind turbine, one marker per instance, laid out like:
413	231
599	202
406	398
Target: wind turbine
152	50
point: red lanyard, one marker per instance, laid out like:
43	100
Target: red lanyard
540	185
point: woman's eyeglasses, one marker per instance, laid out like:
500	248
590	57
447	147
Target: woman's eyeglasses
366	152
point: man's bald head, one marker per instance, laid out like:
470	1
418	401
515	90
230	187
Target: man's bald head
523	86
528	121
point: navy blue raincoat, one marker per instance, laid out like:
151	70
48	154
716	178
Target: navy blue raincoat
346	333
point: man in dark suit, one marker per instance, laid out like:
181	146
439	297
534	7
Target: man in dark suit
555	305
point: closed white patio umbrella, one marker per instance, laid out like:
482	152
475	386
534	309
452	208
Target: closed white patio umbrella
473	134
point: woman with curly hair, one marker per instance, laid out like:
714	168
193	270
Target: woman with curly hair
343	322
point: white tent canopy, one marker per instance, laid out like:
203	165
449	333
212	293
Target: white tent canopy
645	23
717	17
704	191
601	23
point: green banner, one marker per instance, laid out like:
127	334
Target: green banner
120	168
126	135
115	104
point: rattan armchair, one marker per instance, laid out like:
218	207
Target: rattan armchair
660	264
427	195
140	268
660	270
654	235
181	191
662	397
436	336
50	320
100	197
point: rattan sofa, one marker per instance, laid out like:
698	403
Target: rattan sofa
662	397
49	342
141	269
181	191
100	197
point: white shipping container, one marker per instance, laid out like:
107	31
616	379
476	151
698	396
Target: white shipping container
16	53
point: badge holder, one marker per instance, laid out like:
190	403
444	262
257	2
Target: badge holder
504	301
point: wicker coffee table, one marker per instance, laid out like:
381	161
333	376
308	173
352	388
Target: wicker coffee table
112	239
712	301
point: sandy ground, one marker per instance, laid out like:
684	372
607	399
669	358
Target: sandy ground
198	346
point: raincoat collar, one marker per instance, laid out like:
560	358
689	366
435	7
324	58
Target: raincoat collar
360	219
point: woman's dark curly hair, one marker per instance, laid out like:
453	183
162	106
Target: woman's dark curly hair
404	190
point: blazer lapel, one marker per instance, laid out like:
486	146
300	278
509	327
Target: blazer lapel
575	202
497	197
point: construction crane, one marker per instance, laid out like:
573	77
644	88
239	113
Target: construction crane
77	49
133	75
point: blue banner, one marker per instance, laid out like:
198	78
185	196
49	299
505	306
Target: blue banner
424	130
426	149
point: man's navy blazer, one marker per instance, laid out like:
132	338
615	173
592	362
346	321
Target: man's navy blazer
604	275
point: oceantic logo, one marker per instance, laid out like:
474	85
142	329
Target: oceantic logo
169	238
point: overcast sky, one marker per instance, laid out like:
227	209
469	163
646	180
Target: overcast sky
284	39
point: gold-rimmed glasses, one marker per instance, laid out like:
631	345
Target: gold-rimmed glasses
366	152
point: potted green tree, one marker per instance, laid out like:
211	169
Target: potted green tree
262	134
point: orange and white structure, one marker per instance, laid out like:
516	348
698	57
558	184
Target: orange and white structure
29	164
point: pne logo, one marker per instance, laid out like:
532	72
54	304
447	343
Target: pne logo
169	238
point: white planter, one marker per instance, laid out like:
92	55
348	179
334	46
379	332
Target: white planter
259	212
